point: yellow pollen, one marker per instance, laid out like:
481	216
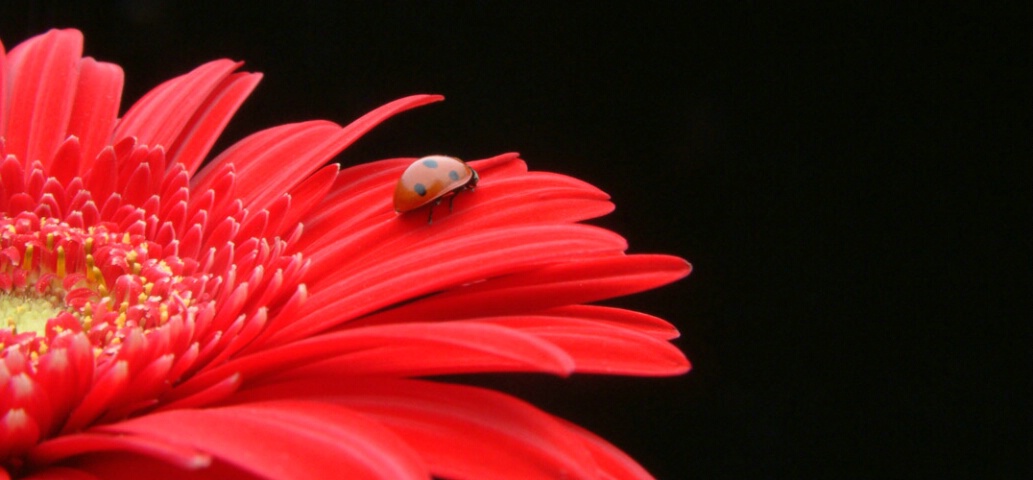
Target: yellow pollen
26	313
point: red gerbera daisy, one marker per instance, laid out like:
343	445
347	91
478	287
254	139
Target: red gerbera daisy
270	315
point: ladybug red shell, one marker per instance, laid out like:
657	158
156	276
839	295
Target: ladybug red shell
429	180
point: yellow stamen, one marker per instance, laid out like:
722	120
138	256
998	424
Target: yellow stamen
27	261
61	261
89	264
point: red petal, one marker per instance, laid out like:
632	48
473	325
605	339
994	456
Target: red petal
66	161
154	123
613	463
111	383
407	350
262	174
76	444
569	283
258	160
44	76
462	432
361	210
101	178
285	439
206	394
3	105
428	267
192	147
95	111
305	196
600	348
129	466
619	317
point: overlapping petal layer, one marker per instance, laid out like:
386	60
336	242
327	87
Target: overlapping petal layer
266	315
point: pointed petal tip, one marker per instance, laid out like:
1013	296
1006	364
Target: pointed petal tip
431	97
417	100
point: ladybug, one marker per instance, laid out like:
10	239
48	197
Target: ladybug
429	180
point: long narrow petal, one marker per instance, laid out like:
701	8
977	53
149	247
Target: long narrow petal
408	350
508	195
262	173
461	431
130	466
4	102
568	283
45	73
198	137
76	444
284	439
619	317
548	344
95	110
151	120
600	348
613	463
431	267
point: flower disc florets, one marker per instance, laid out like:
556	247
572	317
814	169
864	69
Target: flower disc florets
56	279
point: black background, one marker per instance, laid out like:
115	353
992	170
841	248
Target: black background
851	183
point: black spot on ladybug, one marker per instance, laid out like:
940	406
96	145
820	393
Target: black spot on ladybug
420	189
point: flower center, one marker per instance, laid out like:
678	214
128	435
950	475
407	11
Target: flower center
55	278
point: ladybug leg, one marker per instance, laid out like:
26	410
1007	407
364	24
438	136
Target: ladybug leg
451	200
430	216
